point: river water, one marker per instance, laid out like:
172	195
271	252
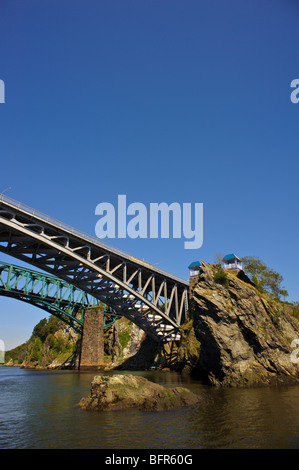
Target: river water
38	410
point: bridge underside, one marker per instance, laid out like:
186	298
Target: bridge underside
51	294
75	320
153	299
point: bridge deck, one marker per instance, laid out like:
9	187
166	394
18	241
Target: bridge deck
88	238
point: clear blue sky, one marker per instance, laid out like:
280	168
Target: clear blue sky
185	101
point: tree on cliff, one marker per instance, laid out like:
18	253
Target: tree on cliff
266	279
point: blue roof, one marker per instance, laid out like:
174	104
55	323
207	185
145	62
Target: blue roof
194	264
230	256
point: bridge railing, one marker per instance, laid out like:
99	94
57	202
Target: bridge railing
93	240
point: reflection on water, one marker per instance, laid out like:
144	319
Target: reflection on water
38	410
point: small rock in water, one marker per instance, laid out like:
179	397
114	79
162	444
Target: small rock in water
120	392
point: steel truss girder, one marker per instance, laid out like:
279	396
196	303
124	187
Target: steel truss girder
49	293
151	298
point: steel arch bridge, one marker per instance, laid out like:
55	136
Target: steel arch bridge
153	299
49	293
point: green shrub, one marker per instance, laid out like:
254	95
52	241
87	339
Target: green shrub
45	327
220	277
36	350
124	338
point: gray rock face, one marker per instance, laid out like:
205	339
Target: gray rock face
119	392
245	336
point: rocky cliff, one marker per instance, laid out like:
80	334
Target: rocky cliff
244	335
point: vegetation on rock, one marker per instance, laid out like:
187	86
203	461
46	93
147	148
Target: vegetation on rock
51	342
265	278
220	276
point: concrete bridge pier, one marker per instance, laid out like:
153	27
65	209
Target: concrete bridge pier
92	344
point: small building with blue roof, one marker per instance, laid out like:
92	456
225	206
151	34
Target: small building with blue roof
231	261
194	268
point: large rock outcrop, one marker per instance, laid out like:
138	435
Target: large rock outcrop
245	336
120	392
128	347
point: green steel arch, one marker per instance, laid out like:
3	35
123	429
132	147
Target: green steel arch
51	294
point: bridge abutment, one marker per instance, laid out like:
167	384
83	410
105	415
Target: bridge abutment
92	344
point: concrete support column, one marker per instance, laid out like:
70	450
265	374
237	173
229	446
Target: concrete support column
92	347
